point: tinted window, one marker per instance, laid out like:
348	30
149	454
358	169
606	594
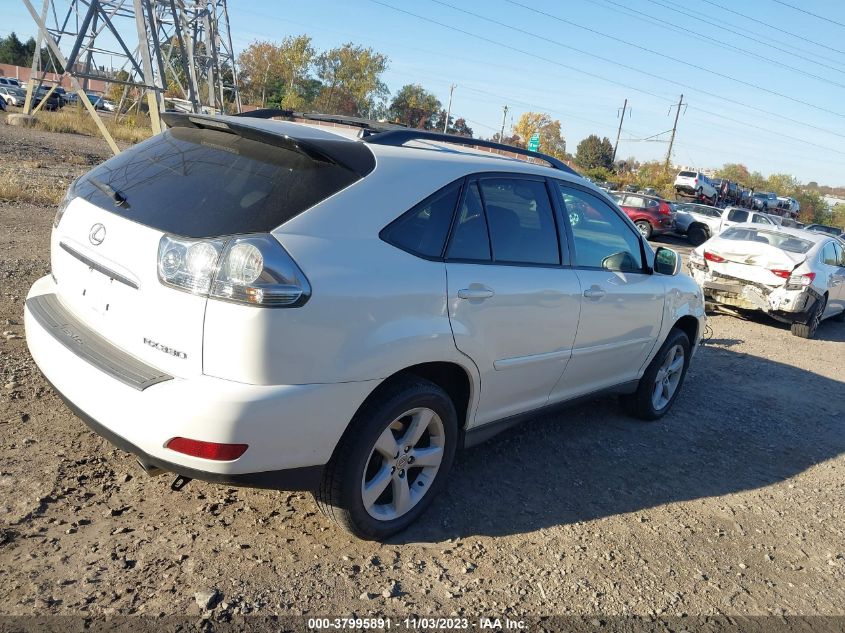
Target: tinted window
469	239
688	174
738	215
521	221
423	229
602	238
759	219
207	183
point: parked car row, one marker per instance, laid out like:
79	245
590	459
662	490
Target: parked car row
14	94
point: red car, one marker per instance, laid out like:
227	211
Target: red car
652	215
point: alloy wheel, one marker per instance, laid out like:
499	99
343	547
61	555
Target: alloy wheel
668	377
403	464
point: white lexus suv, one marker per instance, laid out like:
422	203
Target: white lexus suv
286	305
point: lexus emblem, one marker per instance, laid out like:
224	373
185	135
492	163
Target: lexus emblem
97	234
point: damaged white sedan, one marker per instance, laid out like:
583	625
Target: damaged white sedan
794	276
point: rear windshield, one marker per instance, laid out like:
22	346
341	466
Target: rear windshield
207	183
779	240
688	174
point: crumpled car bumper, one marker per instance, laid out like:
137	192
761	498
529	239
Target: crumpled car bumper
779	302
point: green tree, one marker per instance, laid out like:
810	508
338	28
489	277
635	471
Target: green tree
813	207
783	184
837	217
594	152
13	51
415	107
278	73
456	126
551	138
735	172
352	80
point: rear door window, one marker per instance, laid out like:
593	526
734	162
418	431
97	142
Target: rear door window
521	221
208	183
636	202
761	219
470	239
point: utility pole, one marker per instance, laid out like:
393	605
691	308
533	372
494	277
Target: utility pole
619	131
449	109
504	116
674	128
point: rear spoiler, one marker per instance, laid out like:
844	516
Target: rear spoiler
350	155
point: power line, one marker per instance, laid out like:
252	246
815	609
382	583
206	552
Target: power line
605	59
776	28
799	142
709	20
658	53
815	15
669	26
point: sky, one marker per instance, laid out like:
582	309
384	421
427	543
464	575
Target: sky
763	81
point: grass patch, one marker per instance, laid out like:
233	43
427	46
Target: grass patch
131	129
17	186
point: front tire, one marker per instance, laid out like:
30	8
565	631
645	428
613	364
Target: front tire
809	329
644	227
392	461
663	378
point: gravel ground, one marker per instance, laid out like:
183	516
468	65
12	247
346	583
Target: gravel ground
732	504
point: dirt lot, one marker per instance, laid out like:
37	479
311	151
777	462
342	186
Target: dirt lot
733	504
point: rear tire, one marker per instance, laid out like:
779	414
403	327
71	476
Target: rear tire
386	424
644	227
697	235
662	381
809	329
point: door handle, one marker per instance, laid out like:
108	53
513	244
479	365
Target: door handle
477	292
594	293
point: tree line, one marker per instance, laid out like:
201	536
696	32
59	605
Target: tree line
17	53
347	80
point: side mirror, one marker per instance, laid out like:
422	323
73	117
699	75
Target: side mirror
667	261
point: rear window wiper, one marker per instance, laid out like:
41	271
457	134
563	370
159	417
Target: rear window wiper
118	198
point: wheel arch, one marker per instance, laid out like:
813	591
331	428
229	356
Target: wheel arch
688	324
459	383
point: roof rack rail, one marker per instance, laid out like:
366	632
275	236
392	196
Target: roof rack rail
401	136
369	126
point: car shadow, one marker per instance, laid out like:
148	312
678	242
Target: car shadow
742	422
829	330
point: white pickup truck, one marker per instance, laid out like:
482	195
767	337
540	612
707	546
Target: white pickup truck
700	222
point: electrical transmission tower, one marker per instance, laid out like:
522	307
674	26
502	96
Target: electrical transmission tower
149	47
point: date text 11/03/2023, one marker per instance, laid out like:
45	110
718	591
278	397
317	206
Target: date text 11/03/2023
416	624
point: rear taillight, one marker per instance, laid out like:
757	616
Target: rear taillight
796	282
207	450
783	274
255	270
713	257
63	205
665	209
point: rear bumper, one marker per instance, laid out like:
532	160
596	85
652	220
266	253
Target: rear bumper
291	430
792	306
